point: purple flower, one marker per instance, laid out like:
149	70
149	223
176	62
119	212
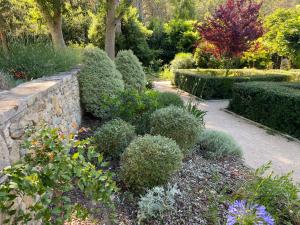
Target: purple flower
240	213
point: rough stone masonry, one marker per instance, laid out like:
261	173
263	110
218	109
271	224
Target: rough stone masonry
54	100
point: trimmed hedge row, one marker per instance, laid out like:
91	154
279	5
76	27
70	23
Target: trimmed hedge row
276	105
213	84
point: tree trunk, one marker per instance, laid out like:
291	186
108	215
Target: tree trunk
55	28
110	33
4	43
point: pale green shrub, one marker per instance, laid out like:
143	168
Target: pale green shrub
183	61
131	69
149	161
168	98
114	137
217	144
178	124
157	201
99	81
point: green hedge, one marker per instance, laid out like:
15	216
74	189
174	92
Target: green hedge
214	84
276	105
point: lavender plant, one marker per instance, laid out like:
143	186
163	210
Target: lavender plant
243	213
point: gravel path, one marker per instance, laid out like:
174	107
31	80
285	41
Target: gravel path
258	146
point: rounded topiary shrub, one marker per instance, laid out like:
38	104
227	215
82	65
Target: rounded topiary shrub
114	136
178	124
217	144
131	69
168	98
99	81
149	161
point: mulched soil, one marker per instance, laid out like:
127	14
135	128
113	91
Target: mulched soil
206	187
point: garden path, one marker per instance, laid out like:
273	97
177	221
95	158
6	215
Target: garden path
258	145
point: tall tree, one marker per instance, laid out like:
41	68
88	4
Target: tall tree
232	27
51	11
115	11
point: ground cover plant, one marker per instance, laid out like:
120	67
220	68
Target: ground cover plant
273	104
215	84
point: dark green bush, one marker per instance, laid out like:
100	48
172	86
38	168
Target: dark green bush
217	144
276	105
214	84
134	107
168	98
278	194
114	136
99	81
178	124
131	69
149	161
35	60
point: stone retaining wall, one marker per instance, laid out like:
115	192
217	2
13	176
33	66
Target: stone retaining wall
54	100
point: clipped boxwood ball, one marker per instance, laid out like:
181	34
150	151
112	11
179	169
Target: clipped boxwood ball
217	144
149	161
178	124
168	98
114	136
99	81
131	69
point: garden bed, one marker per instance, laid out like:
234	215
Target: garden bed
276	105
215	84
206	187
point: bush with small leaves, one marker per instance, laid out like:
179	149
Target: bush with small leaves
217	144
168	98
183	61
114	137
178	124
99	80
157	201
149	161
6	81
131	69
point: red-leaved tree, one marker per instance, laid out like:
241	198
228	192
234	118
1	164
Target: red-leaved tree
232	27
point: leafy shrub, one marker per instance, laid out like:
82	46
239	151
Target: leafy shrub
183	61
134	107
277	193
53	167
131	69
276	105
31	61
6	81
166	73
114	136
149	161
215	84
168	98
178	124
217	144
156	202
99	80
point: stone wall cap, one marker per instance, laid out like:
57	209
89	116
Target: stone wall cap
16	100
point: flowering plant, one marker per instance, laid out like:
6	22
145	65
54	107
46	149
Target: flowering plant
242	213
